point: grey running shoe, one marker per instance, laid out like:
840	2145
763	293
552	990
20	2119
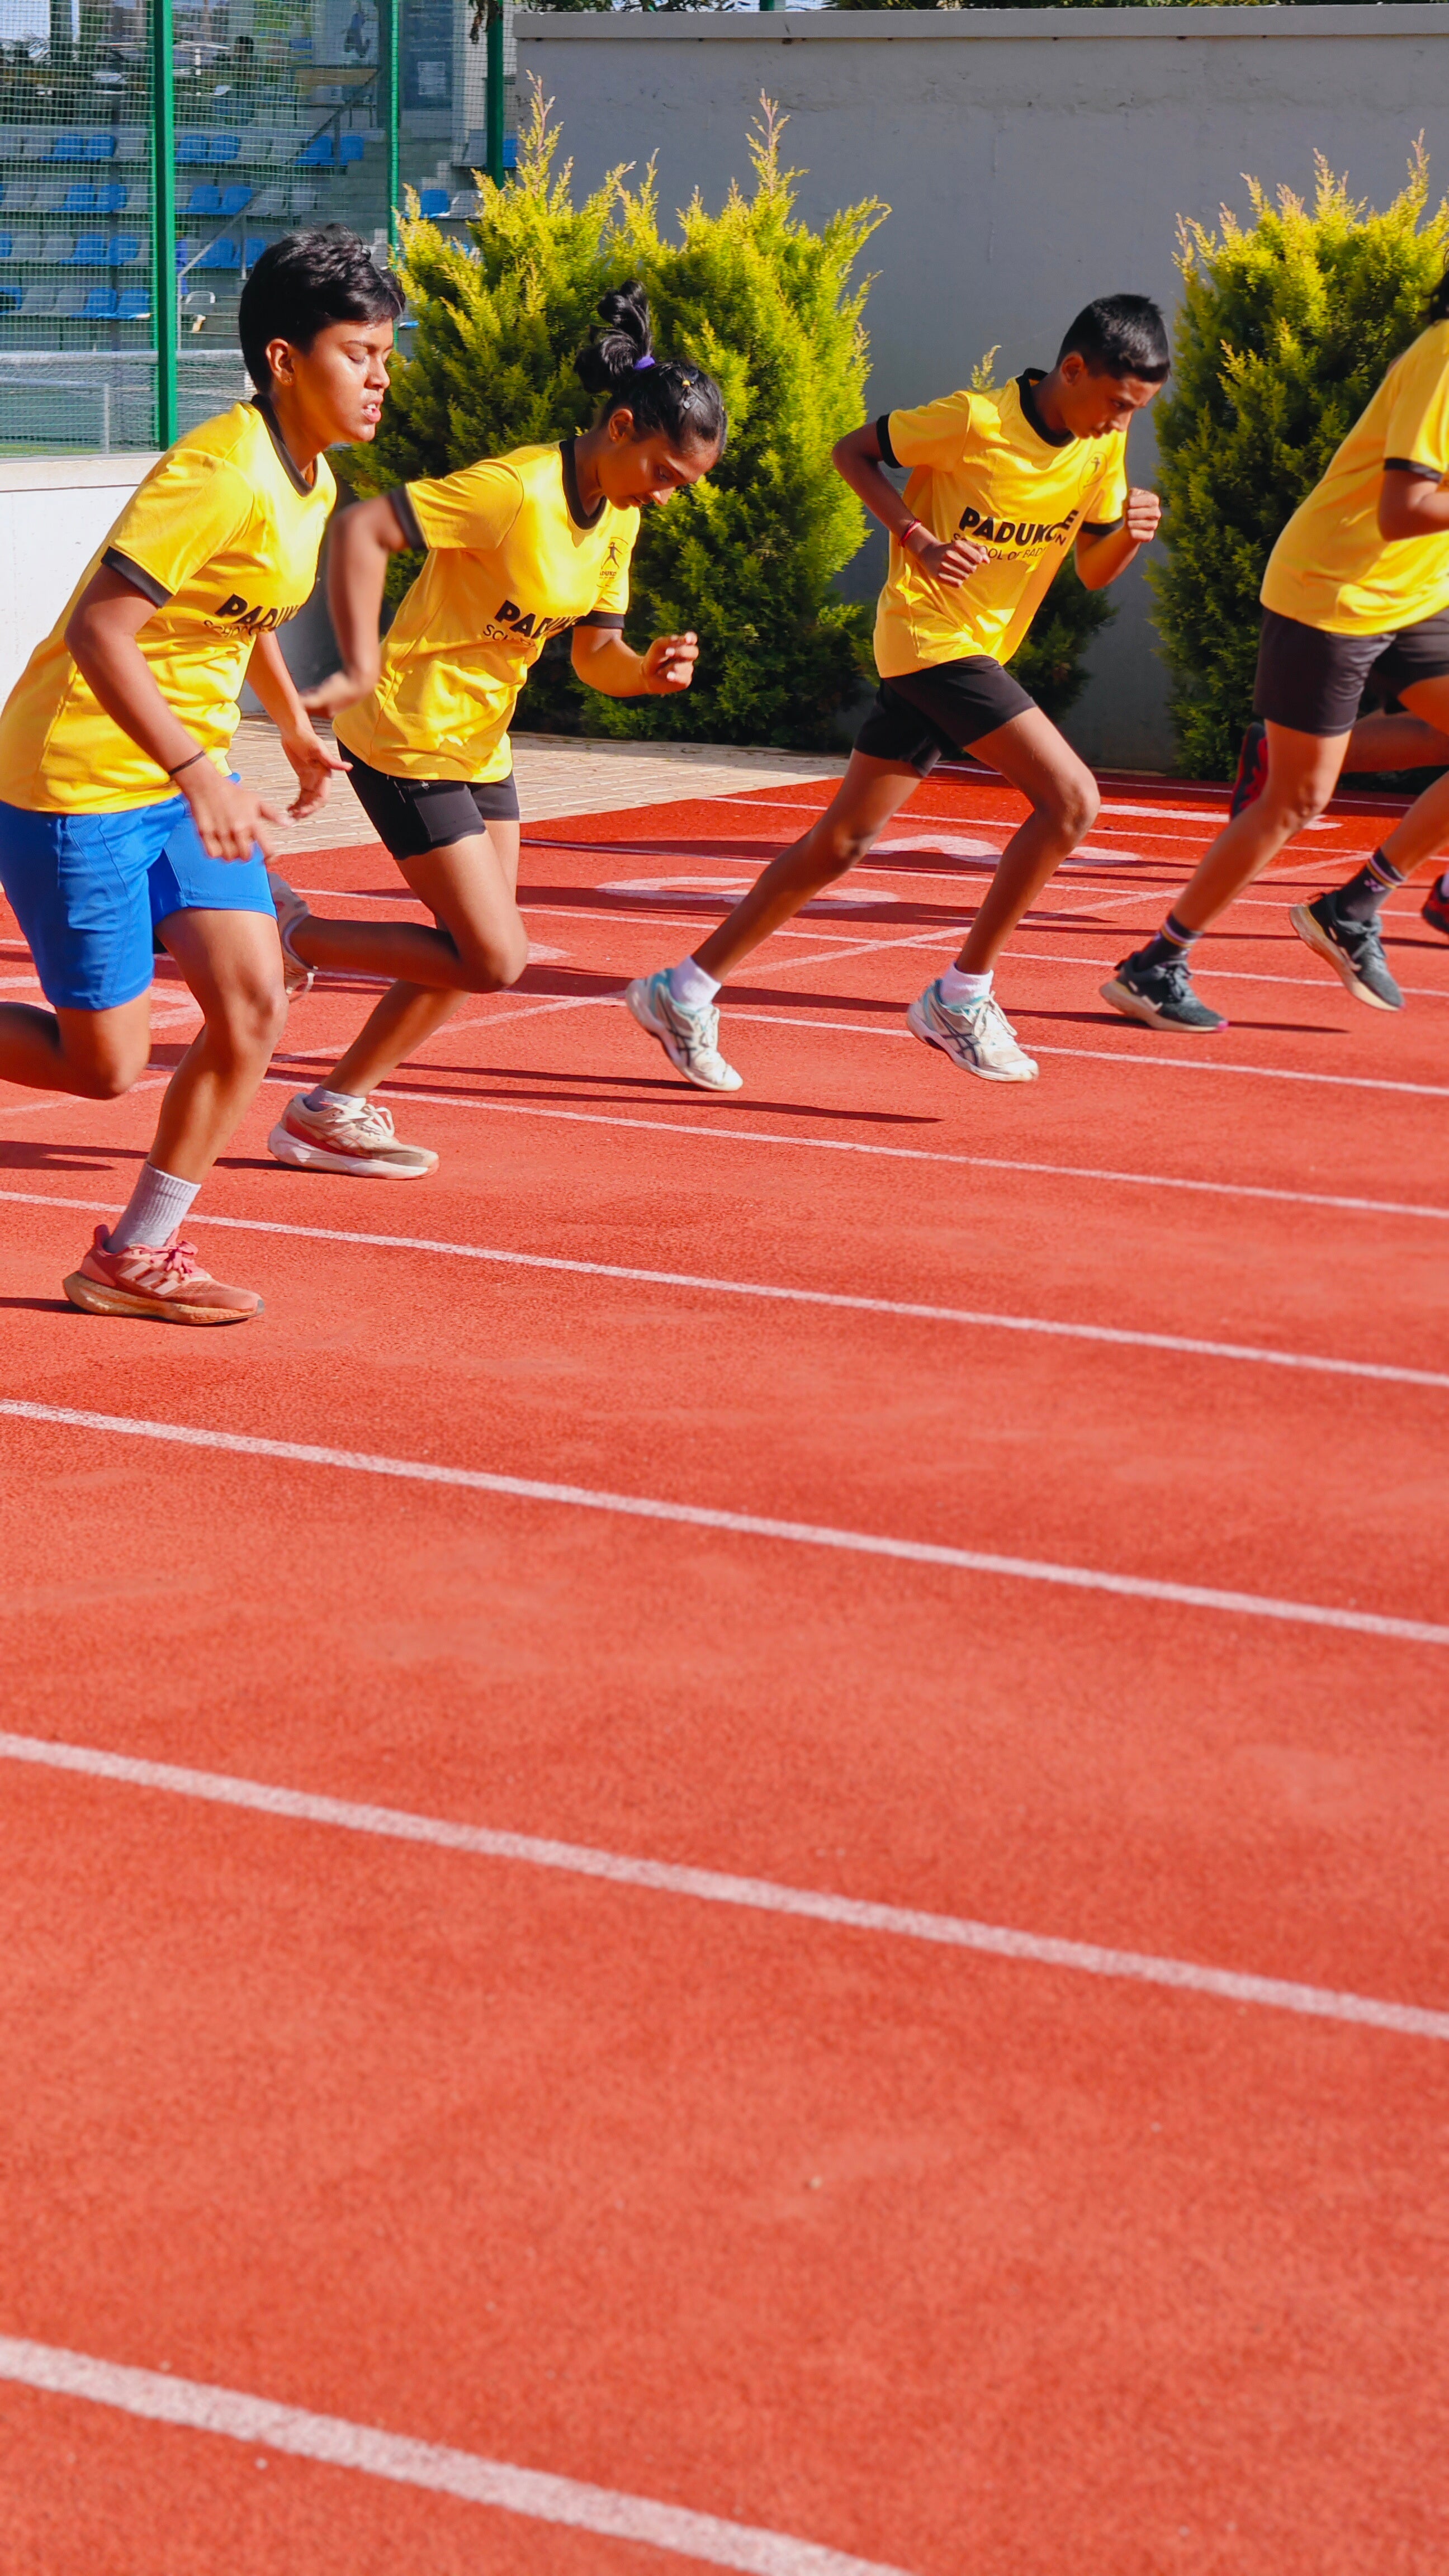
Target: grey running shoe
1352	948
690	1039
977	1036
1160	996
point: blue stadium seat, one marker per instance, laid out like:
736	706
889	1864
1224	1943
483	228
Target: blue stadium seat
100	147
191	148
510	151
111	198
67	147
225	253
101	305
234	201
433	201
226	147
79	201
134	305
7	245
11	298
125	249
350	149
252	249
316	155
203	200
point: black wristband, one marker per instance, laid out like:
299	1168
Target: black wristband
186	764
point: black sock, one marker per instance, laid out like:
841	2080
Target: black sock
1360	899
1174	939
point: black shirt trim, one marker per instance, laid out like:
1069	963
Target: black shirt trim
888	454
407	519
139	579
290	467
1026	383
602	617
581	517
1411	465
1100	527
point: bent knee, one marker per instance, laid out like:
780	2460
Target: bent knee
839	850
1296	810
251	1023
1073	803
108	1077
493	968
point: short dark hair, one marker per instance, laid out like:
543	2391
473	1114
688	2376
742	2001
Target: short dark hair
671	394
303	282
1120	335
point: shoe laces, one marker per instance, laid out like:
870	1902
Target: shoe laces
373	1125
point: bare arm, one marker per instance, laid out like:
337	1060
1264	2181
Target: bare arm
315	762
101	638
604	661
1101	558
857	457
1411	506
362	542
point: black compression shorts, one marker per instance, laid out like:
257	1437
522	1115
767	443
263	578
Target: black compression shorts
920	715
1313	682
414	815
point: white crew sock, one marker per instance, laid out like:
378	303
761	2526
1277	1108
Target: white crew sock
322	1098
959	987
158	1204
690	987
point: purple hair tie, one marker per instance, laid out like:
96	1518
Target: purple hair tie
641	362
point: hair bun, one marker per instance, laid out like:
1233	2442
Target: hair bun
627	337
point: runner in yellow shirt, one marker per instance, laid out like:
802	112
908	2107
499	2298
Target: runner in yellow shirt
1001	485
518	548
1357	585
118	813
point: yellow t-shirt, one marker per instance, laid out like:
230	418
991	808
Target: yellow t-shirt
512	560
223	536
985	467
1331	568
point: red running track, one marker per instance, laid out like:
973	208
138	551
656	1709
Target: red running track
1036	2167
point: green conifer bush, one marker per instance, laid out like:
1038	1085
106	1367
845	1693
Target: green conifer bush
1286	326
748	558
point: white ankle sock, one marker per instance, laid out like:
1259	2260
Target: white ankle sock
158	1204
322	1098
691	988
959	987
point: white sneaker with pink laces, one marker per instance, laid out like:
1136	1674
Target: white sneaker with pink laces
361	1141
162	1280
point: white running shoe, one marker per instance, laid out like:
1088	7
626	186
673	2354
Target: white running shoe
976	1035
689	1038
292	910
360	1141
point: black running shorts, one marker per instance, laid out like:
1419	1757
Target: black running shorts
1313	682
921	714
413	815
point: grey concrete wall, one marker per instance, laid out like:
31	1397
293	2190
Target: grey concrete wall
1031	158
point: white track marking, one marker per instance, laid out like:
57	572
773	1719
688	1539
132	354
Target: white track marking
159	2399
717	1887
1098	1055
1115	1336
1214	974
705	1129
533	1489
78	1099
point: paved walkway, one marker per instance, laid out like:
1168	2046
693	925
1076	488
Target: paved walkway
555	776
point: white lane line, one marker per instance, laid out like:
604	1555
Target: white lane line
1092	1055
532	1489
911	1310
159	2399
718	1887
705	1128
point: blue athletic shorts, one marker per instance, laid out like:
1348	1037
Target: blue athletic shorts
88	889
